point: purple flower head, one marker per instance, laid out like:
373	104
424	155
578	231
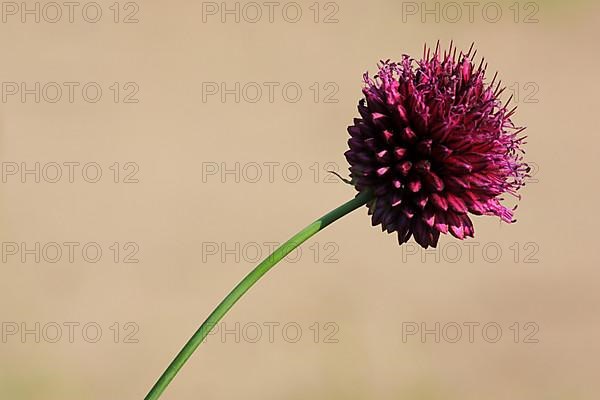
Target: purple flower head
434	144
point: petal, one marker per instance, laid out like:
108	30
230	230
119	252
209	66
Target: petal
429	216
439	201
455	226
456	203
377	216
396	200
434	181
408	135
468	225
404	168
435	235
423	166
421	199
457	165
404	229
420	232
381	121
404	235
414	185
387	135
440	152
408	211
440	222
383	156
382	171
402	114
456	182
354	131
400	152
424	147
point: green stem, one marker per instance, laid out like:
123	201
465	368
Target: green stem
246	284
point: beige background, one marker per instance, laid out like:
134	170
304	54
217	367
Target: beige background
373	288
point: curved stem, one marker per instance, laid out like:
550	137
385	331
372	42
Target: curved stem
246	284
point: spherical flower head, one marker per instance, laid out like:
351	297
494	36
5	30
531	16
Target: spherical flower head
433	144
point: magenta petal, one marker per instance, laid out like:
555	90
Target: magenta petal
408	135
456	182
440	223
382	171
421	199
404	167
457	231
400	152
388	136
456	203
439	201
458	165
382	156
414	185
468	226
402	114
429	216
441	152
455	226
434	181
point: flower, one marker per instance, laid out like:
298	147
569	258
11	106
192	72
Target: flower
434	144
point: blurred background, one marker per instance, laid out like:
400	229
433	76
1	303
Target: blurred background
152	152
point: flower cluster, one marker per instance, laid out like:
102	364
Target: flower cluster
433	144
